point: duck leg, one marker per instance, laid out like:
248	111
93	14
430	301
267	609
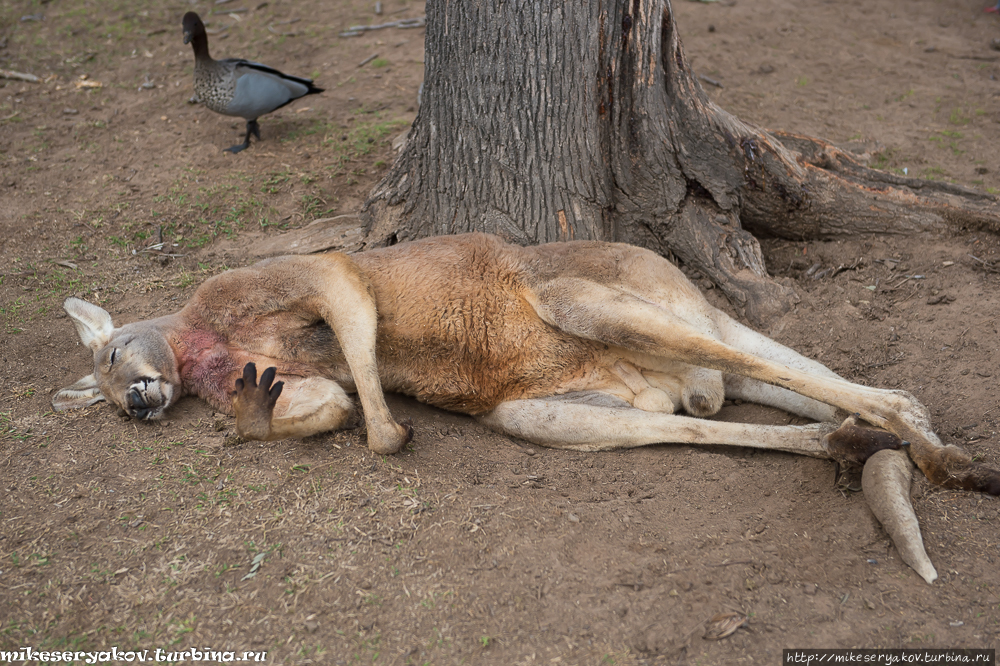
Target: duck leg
252	128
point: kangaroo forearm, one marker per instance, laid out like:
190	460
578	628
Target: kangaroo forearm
306	406
325	419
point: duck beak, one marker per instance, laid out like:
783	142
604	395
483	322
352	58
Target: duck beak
187	37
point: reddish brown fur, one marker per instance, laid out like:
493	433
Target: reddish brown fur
484	344
471	324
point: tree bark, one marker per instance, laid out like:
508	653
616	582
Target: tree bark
555	121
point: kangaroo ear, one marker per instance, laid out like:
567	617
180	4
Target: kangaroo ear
83	393
93	323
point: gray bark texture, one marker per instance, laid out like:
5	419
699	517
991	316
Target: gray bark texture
547	121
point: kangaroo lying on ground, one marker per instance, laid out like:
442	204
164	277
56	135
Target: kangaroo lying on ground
583	345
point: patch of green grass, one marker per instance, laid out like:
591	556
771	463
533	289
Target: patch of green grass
885	160
78	245
38	559
5	117
317	126
12	313
184	280
274	181
313	207
952	145
192	215
364	136
958	117
179	627
934	173
367	649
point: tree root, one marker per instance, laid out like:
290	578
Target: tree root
804	187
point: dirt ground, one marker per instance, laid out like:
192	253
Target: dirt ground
468	547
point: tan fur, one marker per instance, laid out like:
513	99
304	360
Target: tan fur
584	345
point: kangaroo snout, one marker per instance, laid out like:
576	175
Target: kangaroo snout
137	404
145	400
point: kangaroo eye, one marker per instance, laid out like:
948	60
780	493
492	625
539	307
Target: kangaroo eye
114	355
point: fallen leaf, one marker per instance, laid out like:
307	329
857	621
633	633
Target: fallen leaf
724	624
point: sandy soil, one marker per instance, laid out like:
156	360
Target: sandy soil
468	547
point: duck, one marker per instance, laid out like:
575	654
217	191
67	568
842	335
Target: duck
237	87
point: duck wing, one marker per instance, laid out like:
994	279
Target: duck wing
261	89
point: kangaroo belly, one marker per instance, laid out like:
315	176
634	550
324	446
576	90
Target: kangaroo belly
456	331
470	354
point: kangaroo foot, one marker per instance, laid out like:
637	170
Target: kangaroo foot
952	467
851	443
254	403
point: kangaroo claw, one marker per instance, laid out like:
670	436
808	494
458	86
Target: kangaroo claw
254	402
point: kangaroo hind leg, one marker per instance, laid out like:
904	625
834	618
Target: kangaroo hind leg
653	332
593	421
600	313
752	390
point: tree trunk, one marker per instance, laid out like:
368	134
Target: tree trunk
556	121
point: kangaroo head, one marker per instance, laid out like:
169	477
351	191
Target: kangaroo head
134	366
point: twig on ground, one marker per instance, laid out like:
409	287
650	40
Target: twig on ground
356	30
710	81
20	76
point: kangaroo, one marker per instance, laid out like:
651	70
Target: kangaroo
582	345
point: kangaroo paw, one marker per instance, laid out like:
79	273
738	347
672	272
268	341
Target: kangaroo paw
254	403
851	443
392	439
886	484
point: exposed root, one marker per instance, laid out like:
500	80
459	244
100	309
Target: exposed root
886	485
